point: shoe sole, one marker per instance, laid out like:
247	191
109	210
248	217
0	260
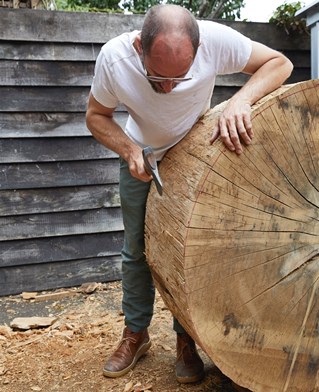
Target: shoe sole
189	380
141	351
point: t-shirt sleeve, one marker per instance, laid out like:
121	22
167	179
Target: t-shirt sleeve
101	88
230	49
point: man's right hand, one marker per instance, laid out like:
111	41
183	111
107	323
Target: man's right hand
136	165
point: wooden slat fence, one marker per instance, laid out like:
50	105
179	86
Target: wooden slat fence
60	216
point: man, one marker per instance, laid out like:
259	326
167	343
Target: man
165	77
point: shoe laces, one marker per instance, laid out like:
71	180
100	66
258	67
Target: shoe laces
124	345
129	339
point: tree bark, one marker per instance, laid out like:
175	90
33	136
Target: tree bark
233	243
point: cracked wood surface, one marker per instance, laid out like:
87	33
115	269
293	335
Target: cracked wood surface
233	243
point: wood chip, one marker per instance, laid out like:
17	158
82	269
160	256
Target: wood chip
55	296
5	331
25	343
65	334
129	387
165	347
89	287
26	323
28	295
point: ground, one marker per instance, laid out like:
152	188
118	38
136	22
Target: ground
68	355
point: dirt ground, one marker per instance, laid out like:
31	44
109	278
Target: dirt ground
68	356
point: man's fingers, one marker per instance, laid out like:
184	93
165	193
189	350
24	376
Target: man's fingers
228	133
215	134
248	125
233	130
243	132
138	170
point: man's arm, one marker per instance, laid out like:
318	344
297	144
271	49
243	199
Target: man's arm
269	70
99	120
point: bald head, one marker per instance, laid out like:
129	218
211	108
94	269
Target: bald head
171	21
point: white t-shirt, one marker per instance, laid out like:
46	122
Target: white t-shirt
162	120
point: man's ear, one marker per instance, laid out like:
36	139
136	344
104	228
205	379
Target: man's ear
138	44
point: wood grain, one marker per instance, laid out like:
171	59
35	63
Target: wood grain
241	237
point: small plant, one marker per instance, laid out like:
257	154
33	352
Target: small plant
284	17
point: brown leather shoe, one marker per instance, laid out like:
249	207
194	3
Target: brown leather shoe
189	366
130	349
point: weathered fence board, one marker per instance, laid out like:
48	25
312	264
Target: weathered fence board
58	26
40	201
48	150
44	99
44	175
60	223
47	124
63	248
71	273
55	51
48	73
60	217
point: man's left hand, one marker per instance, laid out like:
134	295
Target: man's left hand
234	126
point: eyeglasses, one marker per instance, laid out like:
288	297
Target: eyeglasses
160	79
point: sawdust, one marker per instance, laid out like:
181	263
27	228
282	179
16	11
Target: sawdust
69	355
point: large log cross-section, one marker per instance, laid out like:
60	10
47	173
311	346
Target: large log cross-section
233	243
